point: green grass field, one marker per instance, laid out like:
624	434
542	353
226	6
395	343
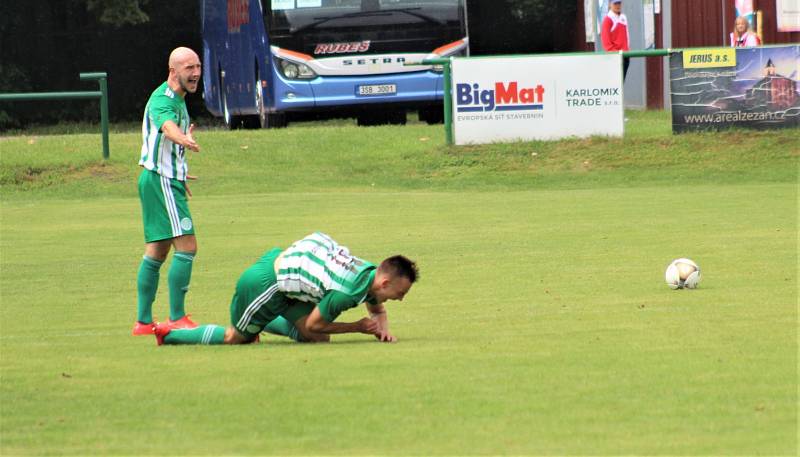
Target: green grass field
541	324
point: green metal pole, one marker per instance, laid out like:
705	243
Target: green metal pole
648	53
102	78
448	103
91	76
104	116
448	92
49	95
102	94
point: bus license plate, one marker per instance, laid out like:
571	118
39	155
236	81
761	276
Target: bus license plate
378	89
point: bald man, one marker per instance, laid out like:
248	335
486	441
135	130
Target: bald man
163	191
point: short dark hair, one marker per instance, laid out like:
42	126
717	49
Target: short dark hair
398	265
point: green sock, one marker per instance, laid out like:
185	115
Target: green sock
204	334
180	273
146	286
280	326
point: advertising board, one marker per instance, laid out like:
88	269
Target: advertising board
498	99
720	88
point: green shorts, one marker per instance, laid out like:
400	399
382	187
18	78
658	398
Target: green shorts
257	300
165	210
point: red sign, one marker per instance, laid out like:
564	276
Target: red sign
342	48
238	14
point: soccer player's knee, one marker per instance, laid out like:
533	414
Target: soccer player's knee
157	250
186	243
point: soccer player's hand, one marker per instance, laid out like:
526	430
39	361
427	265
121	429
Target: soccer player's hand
379	317
368	326
385	337
190	142
186	184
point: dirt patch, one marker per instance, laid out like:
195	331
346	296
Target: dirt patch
30	174
96	170
24	175
32	177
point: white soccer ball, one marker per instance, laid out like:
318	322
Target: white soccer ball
682	273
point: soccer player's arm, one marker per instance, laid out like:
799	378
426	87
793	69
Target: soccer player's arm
166	119
378	314
332	304
174	134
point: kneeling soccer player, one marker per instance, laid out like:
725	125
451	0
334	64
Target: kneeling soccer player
300	291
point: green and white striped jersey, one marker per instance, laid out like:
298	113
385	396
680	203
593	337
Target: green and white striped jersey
159	154
316	269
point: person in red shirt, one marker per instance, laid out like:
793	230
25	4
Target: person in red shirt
614	33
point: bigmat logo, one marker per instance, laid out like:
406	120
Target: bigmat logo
504	97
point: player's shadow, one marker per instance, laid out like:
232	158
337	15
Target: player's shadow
333	342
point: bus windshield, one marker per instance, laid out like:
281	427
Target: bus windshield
288	17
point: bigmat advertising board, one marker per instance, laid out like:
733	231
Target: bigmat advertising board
742	87
537	98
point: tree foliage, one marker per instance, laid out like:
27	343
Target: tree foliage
45	44
118	13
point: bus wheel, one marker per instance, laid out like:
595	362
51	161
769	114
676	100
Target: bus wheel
260	119
231	121
223	100
260	108
264	119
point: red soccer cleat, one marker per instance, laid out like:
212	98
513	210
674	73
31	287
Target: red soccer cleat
140	329
183	322
160	330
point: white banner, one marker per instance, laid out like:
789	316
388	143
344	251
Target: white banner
788	15
537	98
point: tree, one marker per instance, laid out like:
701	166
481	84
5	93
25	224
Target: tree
118	13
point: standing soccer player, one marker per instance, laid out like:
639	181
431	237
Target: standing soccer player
163	191
303	289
